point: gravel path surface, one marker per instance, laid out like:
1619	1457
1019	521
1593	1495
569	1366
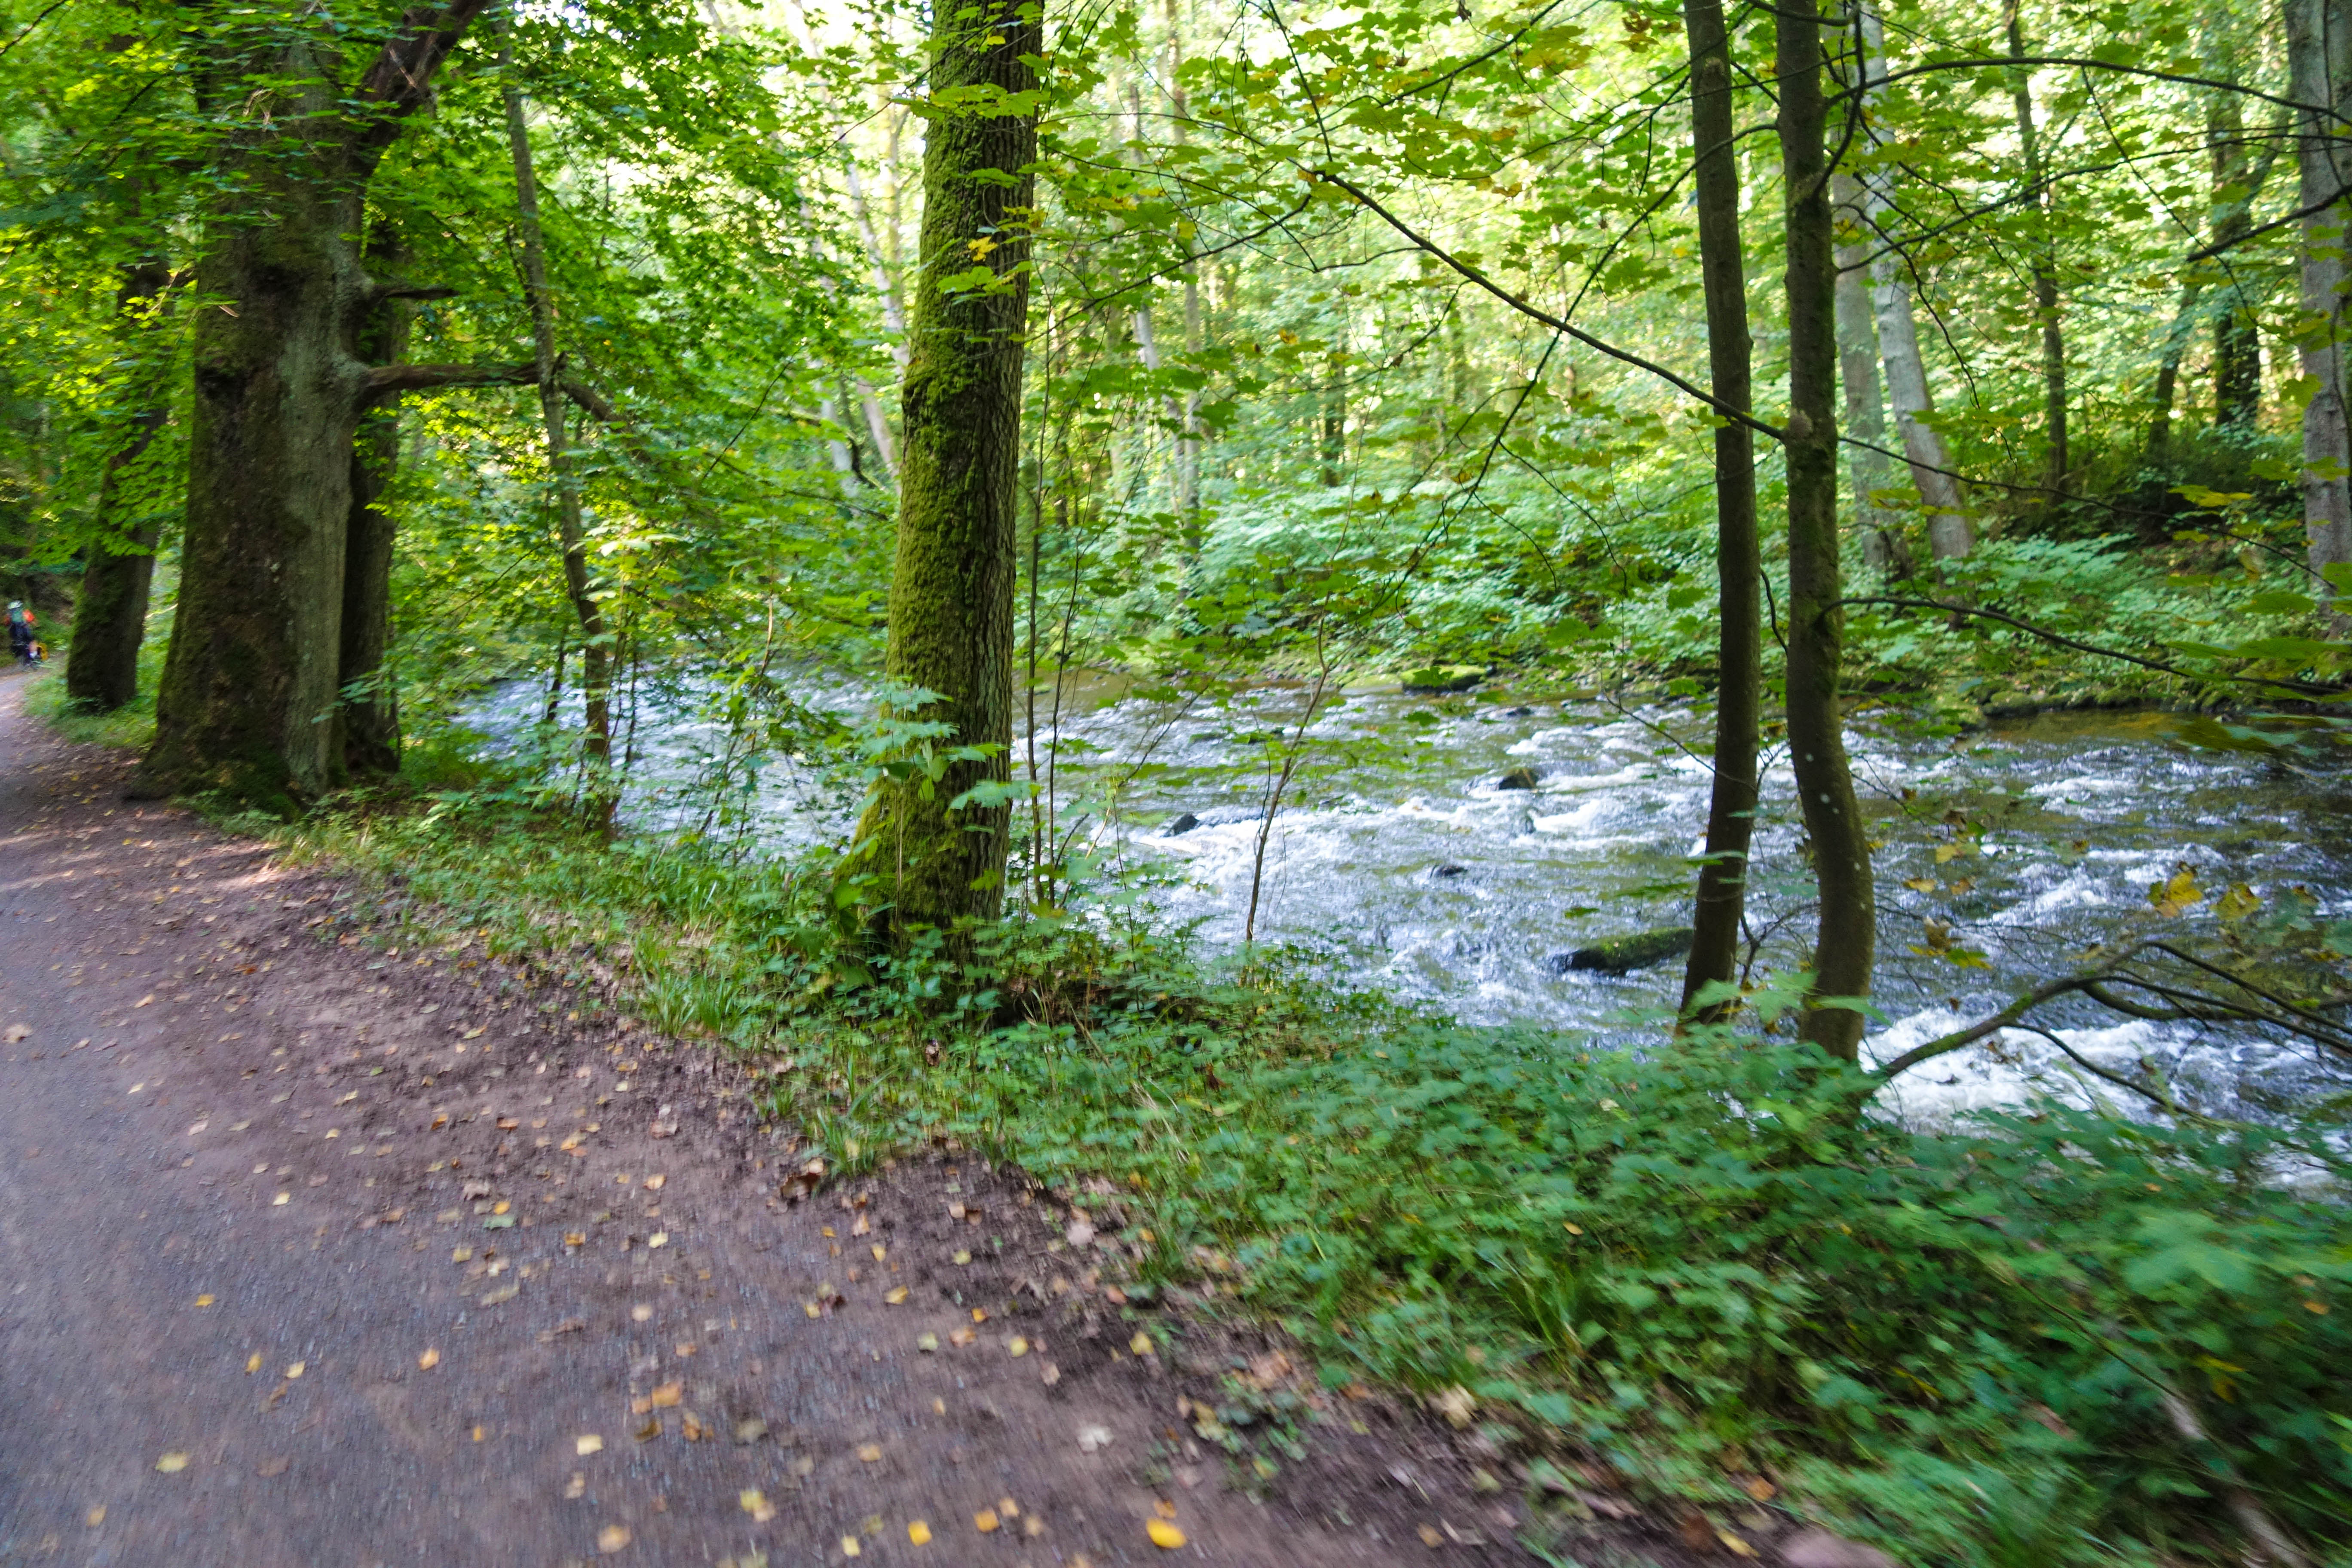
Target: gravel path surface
317	1253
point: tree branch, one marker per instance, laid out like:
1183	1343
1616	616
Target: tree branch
385	381
2300	688
1960	1038
1556	323
400	81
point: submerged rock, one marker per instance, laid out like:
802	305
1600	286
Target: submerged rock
1517	778
1518	713
1451	870
1623	955
1182	822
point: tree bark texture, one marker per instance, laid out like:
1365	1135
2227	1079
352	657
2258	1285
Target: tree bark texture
1843	948
952	582
2043	264
368	724
1866	401
1731	807
595	641
251	679
110	612
1949	533
2320	57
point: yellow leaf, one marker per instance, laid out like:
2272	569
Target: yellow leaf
870	1452
658	1239
204	1300
296	1369
2237	903
612	1539
1921	884
963	1258
1733	1544
1019	1346
880	1252
253	1363
1140	1344
1947	852
588	1443
919	1532
756	1504
668	1394
171	1464
849	1547
985	1521
428	1361
895	1295
1165	1535
98	1516
282	1198
654	1182
1571	1227
981	248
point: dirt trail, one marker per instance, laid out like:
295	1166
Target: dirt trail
313	1253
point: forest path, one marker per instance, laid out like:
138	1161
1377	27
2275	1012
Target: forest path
314	1254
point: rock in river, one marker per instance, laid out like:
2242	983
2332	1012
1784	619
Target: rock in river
1517	778
1623	955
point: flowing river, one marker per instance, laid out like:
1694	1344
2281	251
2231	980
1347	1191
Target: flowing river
1455	851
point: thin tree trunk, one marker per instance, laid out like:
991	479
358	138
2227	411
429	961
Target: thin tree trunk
1949	534
1731	807
952	591
2319	55
595	643
1865	403
2043	264
1334	444
369	725
1842	947
2236	348
110	612
2167	368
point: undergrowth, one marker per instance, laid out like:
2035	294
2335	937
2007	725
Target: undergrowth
1693	1261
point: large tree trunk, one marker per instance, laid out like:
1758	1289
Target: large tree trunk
257	643
2237	347
2167	368
1731	808
1865	403
952	582
1843	948
110	612
2319	55
1949	534
369	722
2043	264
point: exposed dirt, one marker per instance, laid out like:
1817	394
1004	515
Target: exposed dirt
315	1252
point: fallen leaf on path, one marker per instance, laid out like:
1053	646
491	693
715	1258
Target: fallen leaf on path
755	1503
297	1370
1140	1344
880	1252
961	1336
1019	1346
985	1521
919	1534
641	1312
506	1123
204	1300
577	1487
927	1341
172	1464
962	1257
751	1429
1079	1234
1051	1375
98	1516
849	1547
1429	1537
658	1239
612	1539
870	1452
587	1442
276	1464
1093	1437
281	1198
668	1395
19	1033
502	1294
428	1361
253	1363
655	1183
1165	1535
895	1295
1734	1544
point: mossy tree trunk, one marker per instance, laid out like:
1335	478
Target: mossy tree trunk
1843	948
110	612
368	721
251	680
1731	810
952	584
